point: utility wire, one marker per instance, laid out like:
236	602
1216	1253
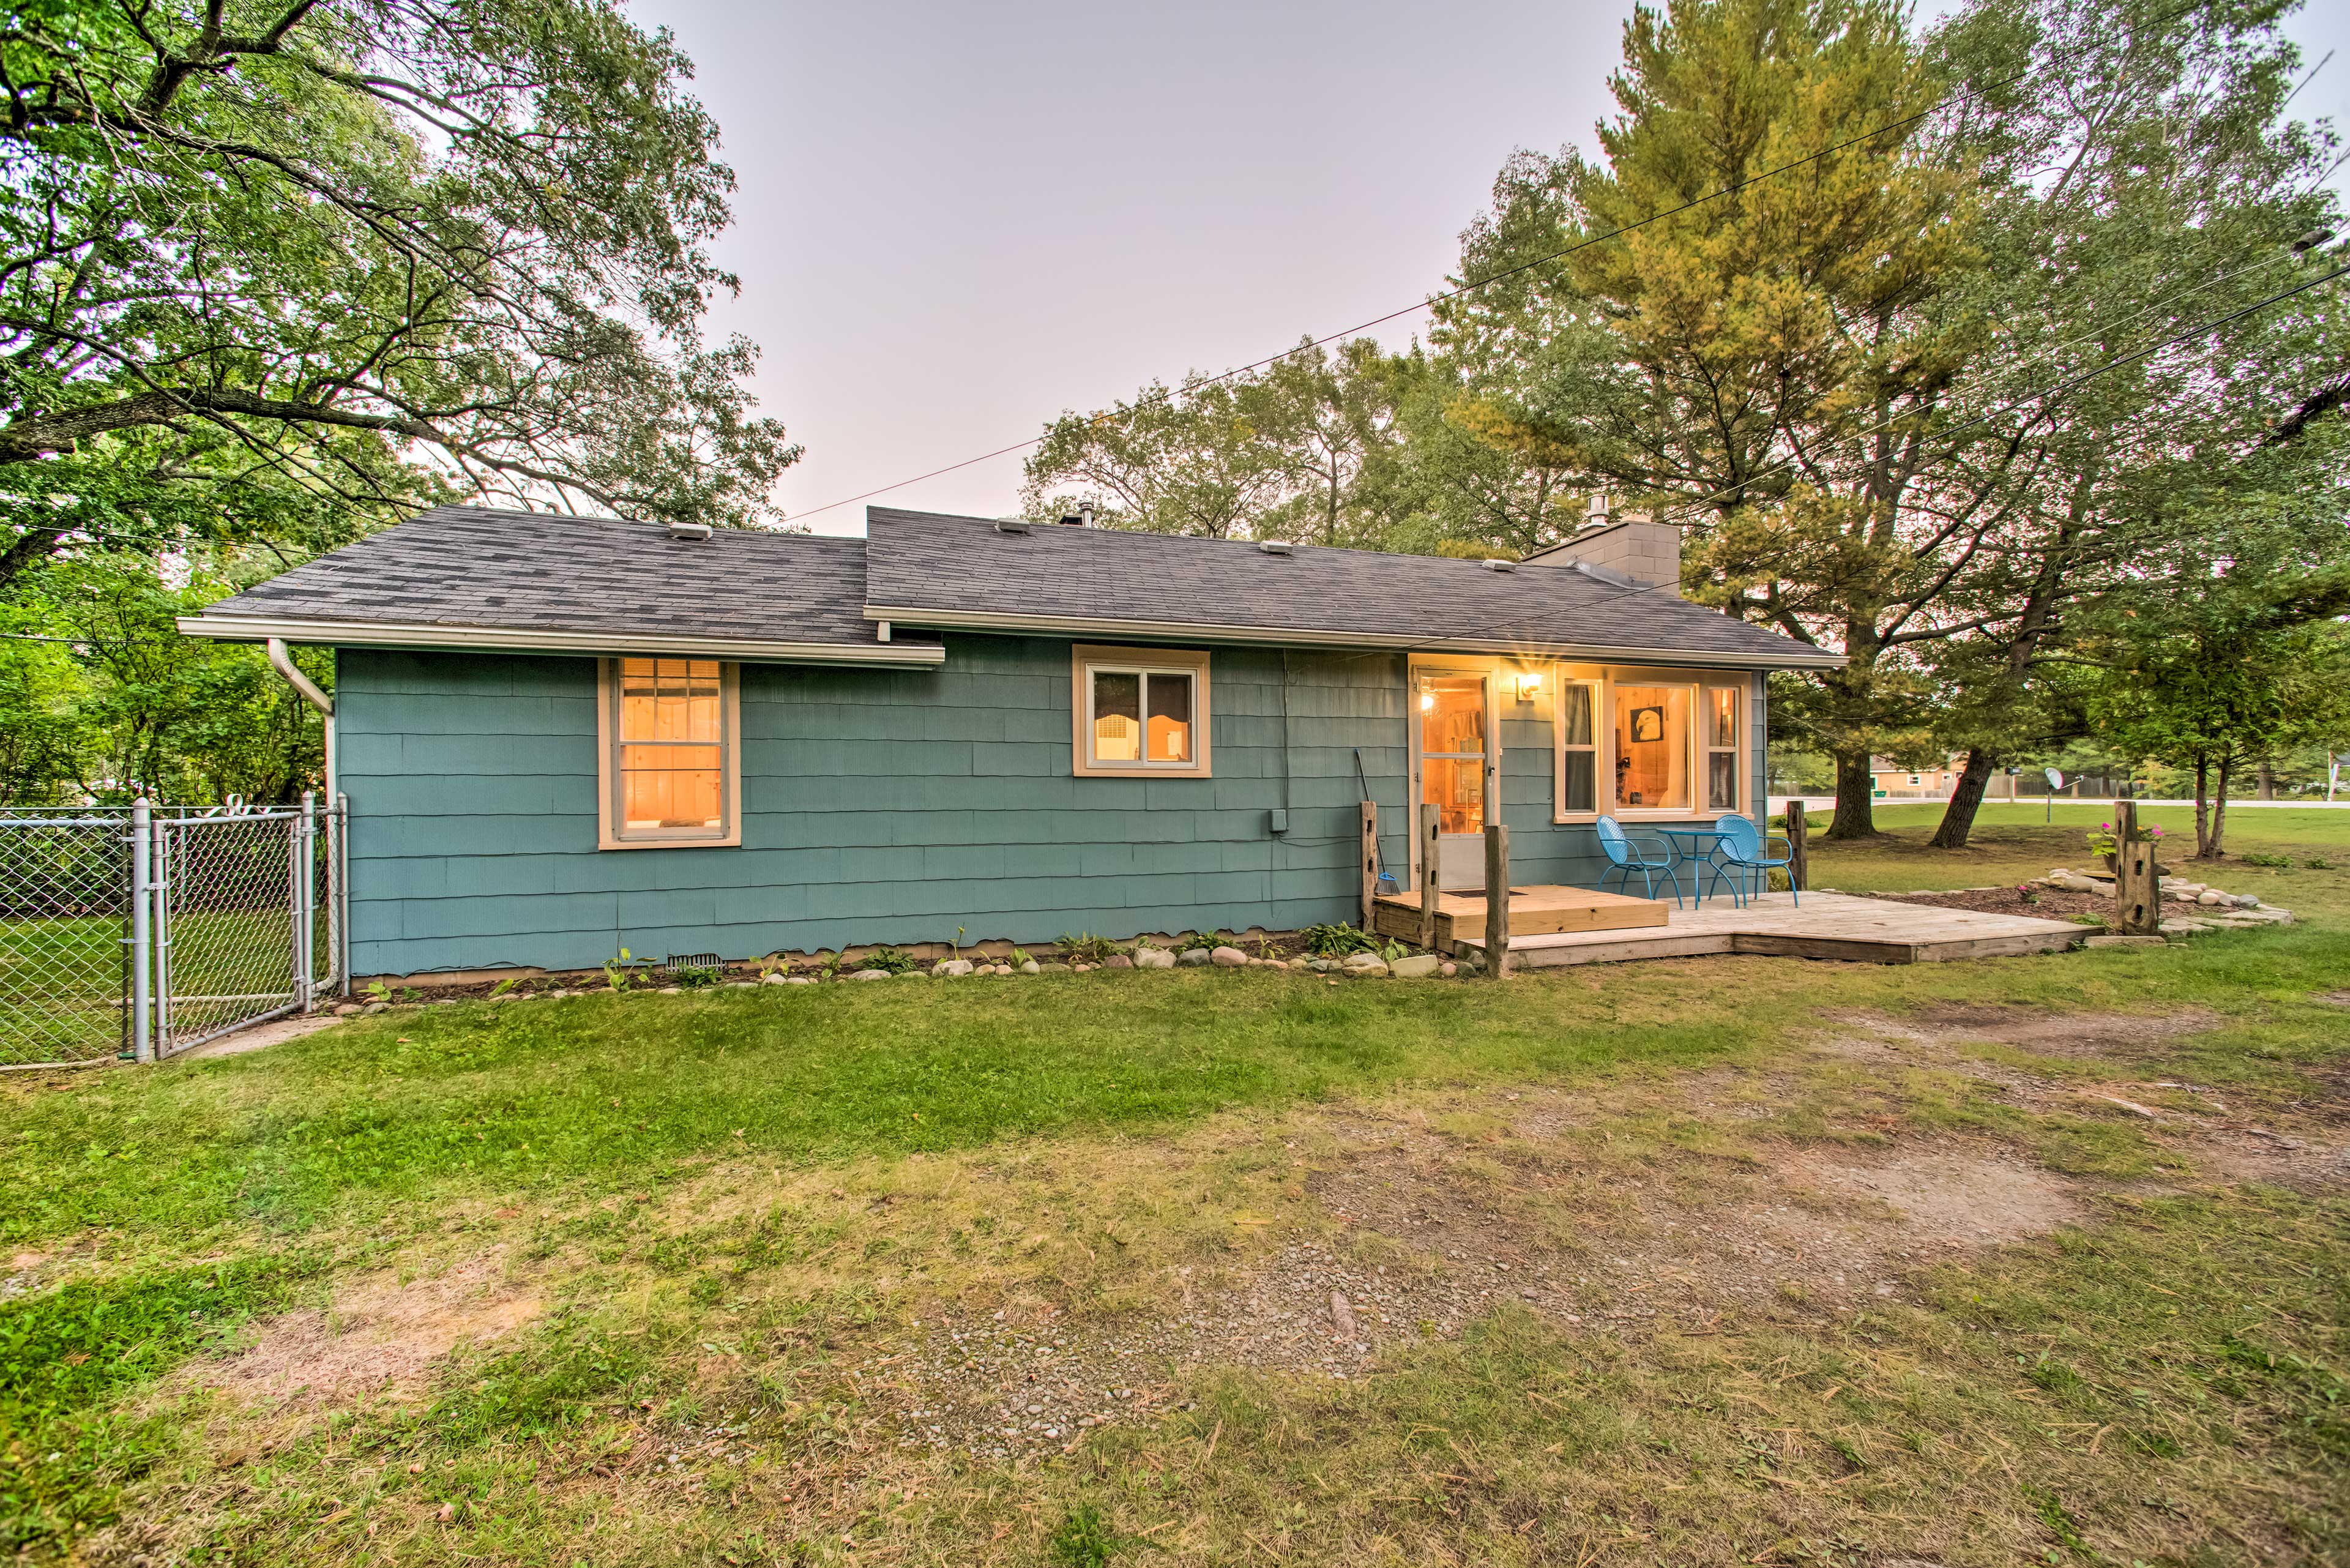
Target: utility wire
1544	260
2143	351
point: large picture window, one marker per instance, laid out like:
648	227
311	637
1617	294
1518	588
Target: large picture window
1636	742
1139	713
669	772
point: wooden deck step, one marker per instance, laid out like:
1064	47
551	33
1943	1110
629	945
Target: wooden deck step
1824	926
1537	910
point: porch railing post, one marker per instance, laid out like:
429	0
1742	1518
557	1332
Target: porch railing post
1497	899
1431	821
142	1041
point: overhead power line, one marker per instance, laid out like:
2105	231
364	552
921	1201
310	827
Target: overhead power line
1687	509
1487	282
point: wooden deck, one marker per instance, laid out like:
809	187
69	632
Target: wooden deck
1539	910
1825	926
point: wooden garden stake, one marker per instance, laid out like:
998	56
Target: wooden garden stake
1799	848
1370	847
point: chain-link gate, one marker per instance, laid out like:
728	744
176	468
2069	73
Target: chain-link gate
65	925
209	922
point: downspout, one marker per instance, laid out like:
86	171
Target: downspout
282	661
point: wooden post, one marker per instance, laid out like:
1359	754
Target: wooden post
1497	900
1799	848
1430	822
2138	888
1370	865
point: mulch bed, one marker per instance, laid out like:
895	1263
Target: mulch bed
2044	904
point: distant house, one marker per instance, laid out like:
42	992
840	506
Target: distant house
1891	780
560	737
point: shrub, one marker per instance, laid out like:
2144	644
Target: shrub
1338	941
1086	948
889	959
2257	858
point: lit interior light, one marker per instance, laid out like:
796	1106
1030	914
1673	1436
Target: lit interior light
1428	702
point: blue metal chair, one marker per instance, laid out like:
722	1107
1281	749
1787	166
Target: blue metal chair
1744	849
1626	855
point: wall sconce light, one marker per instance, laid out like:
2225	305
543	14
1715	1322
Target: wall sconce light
1428	702
1529	685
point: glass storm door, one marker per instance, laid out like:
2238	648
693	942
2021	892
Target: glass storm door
1453	770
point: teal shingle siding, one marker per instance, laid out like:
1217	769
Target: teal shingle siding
879	807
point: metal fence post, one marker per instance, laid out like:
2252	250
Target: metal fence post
305	890
143	1042
340	860
159	926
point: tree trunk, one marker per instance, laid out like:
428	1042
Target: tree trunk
1966	798
2268	779
1855	815
2219	849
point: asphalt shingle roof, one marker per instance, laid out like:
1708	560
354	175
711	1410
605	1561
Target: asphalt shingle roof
517	573
537	571
918	562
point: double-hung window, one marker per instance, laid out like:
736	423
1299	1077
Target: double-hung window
1579	746
1139	713
1721	749
669	770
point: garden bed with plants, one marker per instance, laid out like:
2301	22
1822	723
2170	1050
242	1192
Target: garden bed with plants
1324	945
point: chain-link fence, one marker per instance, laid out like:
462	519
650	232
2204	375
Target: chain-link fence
139	934
65	957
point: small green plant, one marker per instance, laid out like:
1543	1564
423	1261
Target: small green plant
616	971
1017	957
2319	862
1391	951
500	988
1086	948
694	978
1338	941
377	991
2257	858
828	965
2059	1520
1083	1538
1203	941
889	960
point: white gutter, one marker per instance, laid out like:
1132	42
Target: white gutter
283	662
1294	637
474	638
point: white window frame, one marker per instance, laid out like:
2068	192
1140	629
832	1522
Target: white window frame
1087	660
1595	682
611	830
1738	749
1605	680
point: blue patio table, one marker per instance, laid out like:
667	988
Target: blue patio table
1697	847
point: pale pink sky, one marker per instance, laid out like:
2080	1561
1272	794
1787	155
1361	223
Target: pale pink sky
956	221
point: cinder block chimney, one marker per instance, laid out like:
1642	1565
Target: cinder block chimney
1632	548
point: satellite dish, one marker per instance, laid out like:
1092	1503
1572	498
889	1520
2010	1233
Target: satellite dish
2055	779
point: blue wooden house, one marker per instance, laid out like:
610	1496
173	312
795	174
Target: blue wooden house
561	736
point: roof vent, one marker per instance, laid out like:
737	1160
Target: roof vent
1013	526
689	530
1498	565
1275	546
1083	517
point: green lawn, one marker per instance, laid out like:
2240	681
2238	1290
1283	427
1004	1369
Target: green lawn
731	1219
